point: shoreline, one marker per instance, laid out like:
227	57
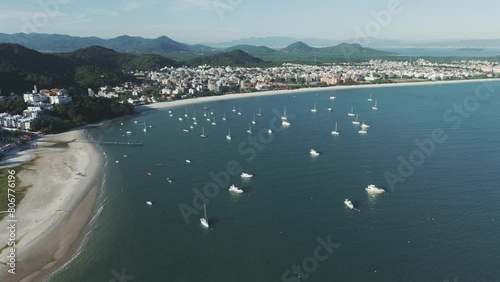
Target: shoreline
52	233
54	214
170	104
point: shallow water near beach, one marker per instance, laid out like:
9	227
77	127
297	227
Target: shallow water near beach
442	222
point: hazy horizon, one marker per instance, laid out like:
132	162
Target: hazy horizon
211	21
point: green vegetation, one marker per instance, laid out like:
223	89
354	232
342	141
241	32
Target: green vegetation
21	68
82	111
232	58
13	107
20	190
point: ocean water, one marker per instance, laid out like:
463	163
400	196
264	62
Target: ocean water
443	52
441	223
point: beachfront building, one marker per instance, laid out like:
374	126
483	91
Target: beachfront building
60	99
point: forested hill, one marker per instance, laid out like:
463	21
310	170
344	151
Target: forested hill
21	68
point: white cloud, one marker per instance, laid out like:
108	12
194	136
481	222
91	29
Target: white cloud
194	4
132	6
104	12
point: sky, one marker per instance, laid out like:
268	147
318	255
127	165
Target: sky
202	21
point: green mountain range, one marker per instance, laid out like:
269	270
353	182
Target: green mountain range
21	68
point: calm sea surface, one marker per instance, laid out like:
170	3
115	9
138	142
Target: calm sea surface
442	222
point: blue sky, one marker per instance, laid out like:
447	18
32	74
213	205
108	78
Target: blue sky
196	21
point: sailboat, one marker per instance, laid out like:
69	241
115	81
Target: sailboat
335	132
186	114
228	136
260	112
269	131
364	125
314	153
239	112
253	121
314	108
145	127
332	97
224	117
375	106
363	131
351	113
204	220
370	99
194	115
356	122
284	114
249	129
234	109
203	133
213	122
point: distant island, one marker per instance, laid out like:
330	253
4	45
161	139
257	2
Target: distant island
471	49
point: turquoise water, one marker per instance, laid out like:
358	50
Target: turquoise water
442	222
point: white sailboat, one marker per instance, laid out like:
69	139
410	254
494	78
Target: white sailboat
228	136
249	129
363	131
374	190
375	106
213	122
356	122
203	133
246	175
149	203
145	127
314	108
335	132
129	132
239	112
180	119
186	114
204	220
351	113
194	115
253	121
364	125
370	98
224	117
332	97
314	153
259	114
285	123
235	189
284	115
234	109
269	131
349	204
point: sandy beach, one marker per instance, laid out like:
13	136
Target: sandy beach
163	105
54	212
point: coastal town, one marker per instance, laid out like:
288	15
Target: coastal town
190	82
